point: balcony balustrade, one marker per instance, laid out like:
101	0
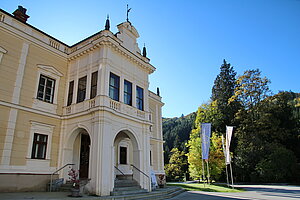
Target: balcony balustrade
105	103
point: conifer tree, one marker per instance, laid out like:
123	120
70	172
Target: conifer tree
222	91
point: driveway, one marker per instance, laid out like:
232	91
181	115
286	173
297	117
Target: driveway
253	192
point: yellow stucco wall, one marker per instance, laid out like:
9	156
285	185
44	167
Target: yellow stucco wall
38	55
9	64
22	134
3	125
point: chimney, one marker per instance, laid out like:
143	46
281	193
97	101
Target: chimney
20	14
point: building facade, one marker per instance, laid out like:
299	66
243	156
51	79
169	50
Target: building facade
87	105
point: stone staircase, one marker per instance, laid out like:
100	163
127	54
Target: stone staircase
128	189
158	194
125	184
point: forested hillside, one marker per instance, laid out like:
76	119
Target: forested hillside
176	132
266	140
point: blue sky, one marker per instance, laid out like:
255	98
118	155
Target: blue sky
188	40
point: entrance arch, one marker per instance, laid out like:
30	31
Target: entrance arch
126	154
77	151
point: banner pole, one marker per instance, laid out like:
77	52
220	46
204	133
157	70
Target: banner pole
225	160
231	175
208	175
203	176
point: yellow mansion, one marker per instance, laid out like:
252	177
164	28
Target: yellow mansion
87	106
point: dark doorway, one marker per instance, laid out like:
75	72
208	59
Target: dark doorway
84	156
123	155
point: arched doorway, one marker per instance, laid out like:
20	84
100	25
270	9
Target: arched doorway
126	155
84	159
78	152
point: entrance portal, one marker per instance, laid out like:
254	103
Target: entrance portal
84	156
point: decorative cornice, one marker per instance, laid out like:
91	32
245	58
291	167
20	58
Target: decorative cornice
115	44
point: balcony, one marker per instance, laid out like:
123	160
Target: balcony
105	103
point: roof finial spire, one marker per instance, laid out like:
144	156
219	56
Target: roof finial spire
144	51
128	10
107	25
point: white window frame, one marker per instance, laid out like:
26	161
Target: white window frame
39	165
44	129
2	52
54	74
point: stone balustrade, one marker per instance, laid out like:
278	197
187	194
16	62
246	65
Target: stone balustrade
104	102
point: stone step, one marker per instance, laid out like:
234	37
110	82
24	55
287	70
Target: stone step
127	192
124	177
127	188
125	183
158	194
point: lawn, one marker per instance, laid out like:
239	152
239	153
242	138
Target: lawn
206	187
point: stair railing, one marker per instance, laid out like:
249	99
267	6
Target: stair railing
56	172
144	175
119	170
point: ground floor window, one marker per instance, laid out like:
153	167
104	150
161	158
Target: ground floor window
39	146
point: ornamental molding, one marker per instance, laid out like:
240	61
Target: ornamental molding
50	69
107	41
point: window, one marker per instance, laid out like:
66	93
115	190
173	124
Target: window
127	92
39	146
123	155
150	158
81	89
70	95
139	98
94	85
114	85
46	89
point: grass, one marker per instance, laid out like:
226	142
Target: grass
206	188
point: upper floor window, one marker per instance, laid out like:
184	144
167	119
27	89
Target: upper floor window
70	94
46	89
94	84
127	92
139	98
81	89
39	146
114	85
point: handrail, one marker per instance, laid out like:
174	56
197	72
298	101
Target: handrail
119	170
57	171
140	171
144	175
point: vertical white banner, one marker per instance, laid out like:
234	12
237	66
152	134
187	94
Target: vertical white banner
229	130
205	137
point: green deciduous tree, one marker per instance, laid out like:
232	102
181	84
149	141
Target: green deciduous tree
278	166
259	138
206	114
251	88
175	169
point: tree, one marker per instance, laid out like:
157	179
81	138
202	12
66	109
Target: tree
176	133
251	89
175	169
222	91
206	113
274	127
278	166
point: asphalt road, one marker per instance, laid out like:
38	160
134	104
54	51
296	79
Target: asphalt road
253	192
